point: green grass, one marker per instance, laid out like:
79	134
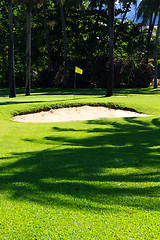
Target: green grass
80	180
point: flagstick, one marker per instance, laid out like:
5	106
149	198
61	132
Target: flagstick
74	83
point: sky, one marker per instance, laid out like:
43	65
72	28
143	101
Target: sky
131	14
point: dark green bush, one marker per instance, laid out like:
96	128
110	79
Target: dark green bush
142	76
136	76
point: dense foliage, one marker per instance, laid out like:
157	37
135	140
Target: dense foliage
87	44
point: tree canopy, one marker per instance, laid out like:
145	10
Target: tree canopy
87	43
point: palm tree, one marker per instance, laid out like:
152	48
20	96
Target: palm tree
12	88
150	10
28	47
111	3
61	5
29	4
156	51
47	38
111	47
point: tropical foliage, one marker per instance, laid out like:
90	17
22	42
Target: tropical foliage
77	36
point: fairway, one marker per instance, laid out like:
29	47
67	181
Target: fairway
93	179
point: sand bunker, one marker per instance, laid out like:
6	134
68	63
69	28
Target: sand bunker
75	114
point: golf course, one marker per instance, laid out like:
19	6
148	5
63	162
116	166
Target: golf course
84	180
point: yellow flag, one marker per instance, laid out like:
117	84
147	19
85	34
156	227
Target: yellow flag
78	70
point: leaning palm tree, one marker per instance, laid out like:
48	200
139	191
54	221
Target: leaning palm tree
126	4
12	88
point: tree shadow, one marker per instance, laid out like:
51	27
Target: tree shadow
35	101
90	168
15	103
4	92
144	91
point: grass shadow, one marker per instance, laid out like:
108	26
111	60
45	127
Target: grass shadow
106	168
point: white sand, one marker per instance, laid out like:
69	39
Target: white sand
75	114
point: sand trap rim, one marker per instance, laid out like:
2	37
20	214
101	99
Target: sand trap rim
75	112
70	105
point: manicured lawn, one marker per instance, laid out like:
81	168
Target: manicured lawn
80	180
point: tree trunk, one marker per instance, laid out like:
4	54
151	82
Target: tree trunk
156	52
12	87
47	38
28	49
110	79
125	13
65	44
150	31
122	21
100	8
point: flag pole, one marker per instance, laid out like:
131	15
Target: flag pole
74	83
79	71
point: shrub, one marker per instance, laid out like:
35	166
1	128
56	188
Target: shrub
135	75
142	76
96	72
